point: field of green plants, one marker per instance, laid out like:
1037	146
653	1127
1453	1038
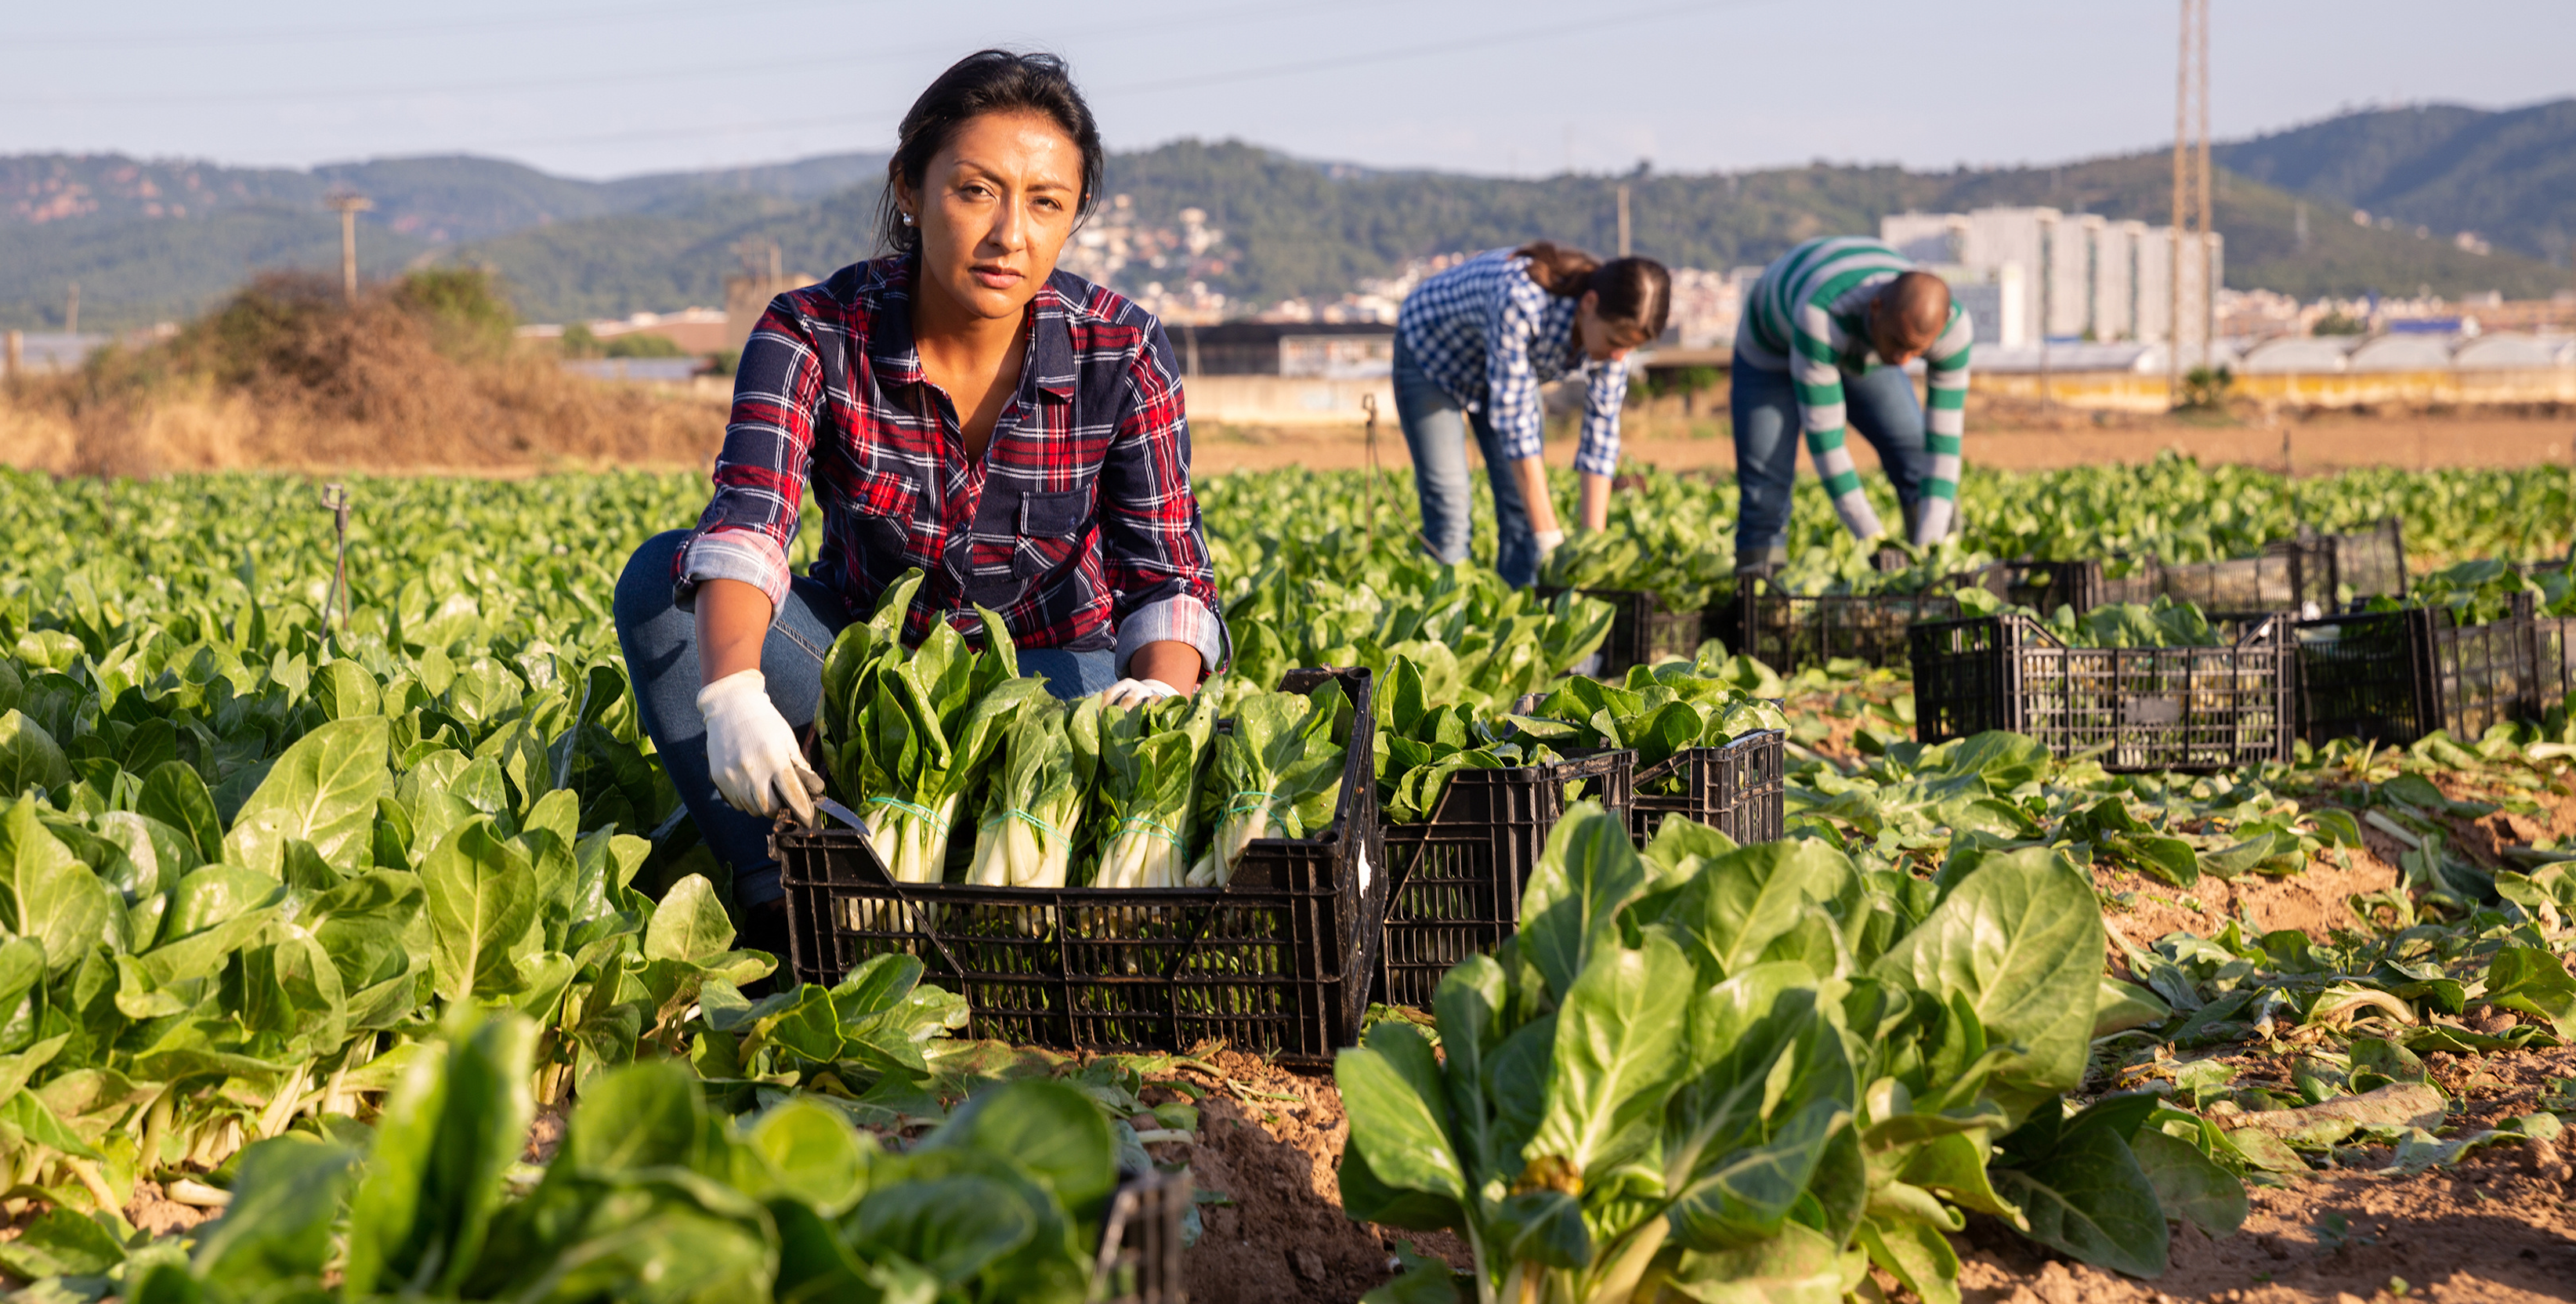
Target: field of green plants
313	898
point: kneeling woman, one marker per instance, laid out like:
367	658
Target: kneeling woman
961	407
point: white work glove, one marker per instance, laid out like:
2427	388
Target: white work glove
1136	692
1549	541
751	751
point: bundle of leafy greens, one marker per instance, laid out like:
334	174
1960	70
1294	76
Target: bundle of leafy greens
1150	757
2162	622
1276	774
1419	746
1034	805
1658	711
1755	1073
908	735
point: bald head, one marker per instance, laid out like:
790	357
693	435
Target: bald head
1908	315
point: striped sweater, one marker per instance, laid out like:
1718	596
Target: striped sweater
1807	315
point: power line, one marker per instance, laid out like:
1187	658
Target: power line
1227	78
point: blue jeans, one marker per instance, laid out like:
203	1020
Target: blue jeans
661	644
1880	403
1435	432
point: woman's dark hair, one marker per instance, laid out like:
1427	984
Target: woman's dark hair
987	81
1636	293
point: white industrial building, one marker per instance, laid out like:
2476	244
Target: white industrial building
2065	277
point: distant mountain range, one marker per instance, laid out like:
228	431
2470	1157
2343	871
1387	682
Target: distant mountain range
2509	176
162	240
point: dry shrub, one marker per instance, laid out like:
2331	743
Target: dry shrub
418	375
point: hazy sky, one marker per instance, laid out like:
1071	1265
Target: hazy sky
596	89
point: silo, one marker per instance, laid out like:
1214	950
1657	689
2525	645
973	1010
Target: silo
2018	236
2069	288
2115	280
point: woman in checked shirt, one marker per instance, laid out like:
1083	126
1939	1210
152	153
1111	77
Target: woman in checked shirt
1472	346
960	407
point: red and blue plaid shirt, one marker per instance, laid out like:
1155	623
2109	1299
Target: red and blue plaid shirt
1079	527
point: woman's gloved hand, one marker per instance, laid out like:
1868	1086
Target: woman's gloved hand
1136	692
1548	542
751	751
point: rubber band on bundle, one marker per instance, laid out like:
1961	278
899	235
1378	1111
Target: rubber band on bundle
922	812
1153	827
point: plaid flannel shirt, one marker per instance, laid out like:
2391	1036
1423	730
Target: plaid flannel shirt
1079	527
1489	336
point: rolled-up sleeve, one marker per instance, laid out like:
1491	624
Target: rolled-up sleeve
749	524
1154	552
1598	453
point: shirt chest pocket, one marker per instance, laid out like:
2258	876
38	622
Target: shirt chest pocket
882	507
1050	528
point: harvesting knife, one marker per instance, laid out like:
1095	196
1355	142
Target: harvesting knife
840	812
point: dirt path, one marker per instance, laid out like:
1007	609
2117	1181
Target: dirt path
2019	436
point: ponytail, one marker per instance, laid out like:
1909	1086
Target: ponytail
1561	270
1636	293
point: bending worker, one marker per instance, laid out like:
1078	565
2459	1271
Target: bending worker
1472	346
1823	343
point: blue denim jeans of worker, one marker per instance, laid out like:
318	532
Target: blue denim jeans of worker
1879	403
1435	432
661	644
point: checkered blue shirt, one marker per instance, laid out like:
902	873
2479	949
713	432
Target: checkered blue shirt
1490	336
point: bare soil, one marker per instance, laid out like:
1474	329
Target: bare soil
1270	1142
2015	435
2498	1226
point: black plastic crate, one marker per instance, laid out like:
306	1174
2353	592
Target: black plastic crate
1140	1242
1737	788
1642	632
2394	676
1454	881
2554	646
1790	631
2313	574
1276	962
2175	708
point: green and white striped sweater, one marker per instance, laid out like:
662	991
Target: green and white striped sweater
1807	315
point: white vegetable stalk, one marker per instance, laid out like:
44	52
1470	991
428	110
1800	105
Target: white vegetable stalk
1027	833
1246	819
910	838
1143	853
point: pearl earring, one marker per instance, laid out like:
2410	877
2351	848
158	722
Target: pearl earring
907	219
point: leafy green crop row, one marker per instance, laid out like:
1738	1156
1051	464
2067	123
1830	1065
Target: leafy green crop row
1760	1071
650	1197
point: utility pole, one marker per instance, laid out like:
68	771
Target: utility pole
71	312
2208	184
350	203
2190	176
1623	219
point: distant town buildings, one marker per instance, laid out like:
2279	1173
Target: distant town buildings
1115	240
2066	278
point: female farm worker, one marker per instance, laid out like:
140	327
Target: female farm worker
961	407
1472	346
